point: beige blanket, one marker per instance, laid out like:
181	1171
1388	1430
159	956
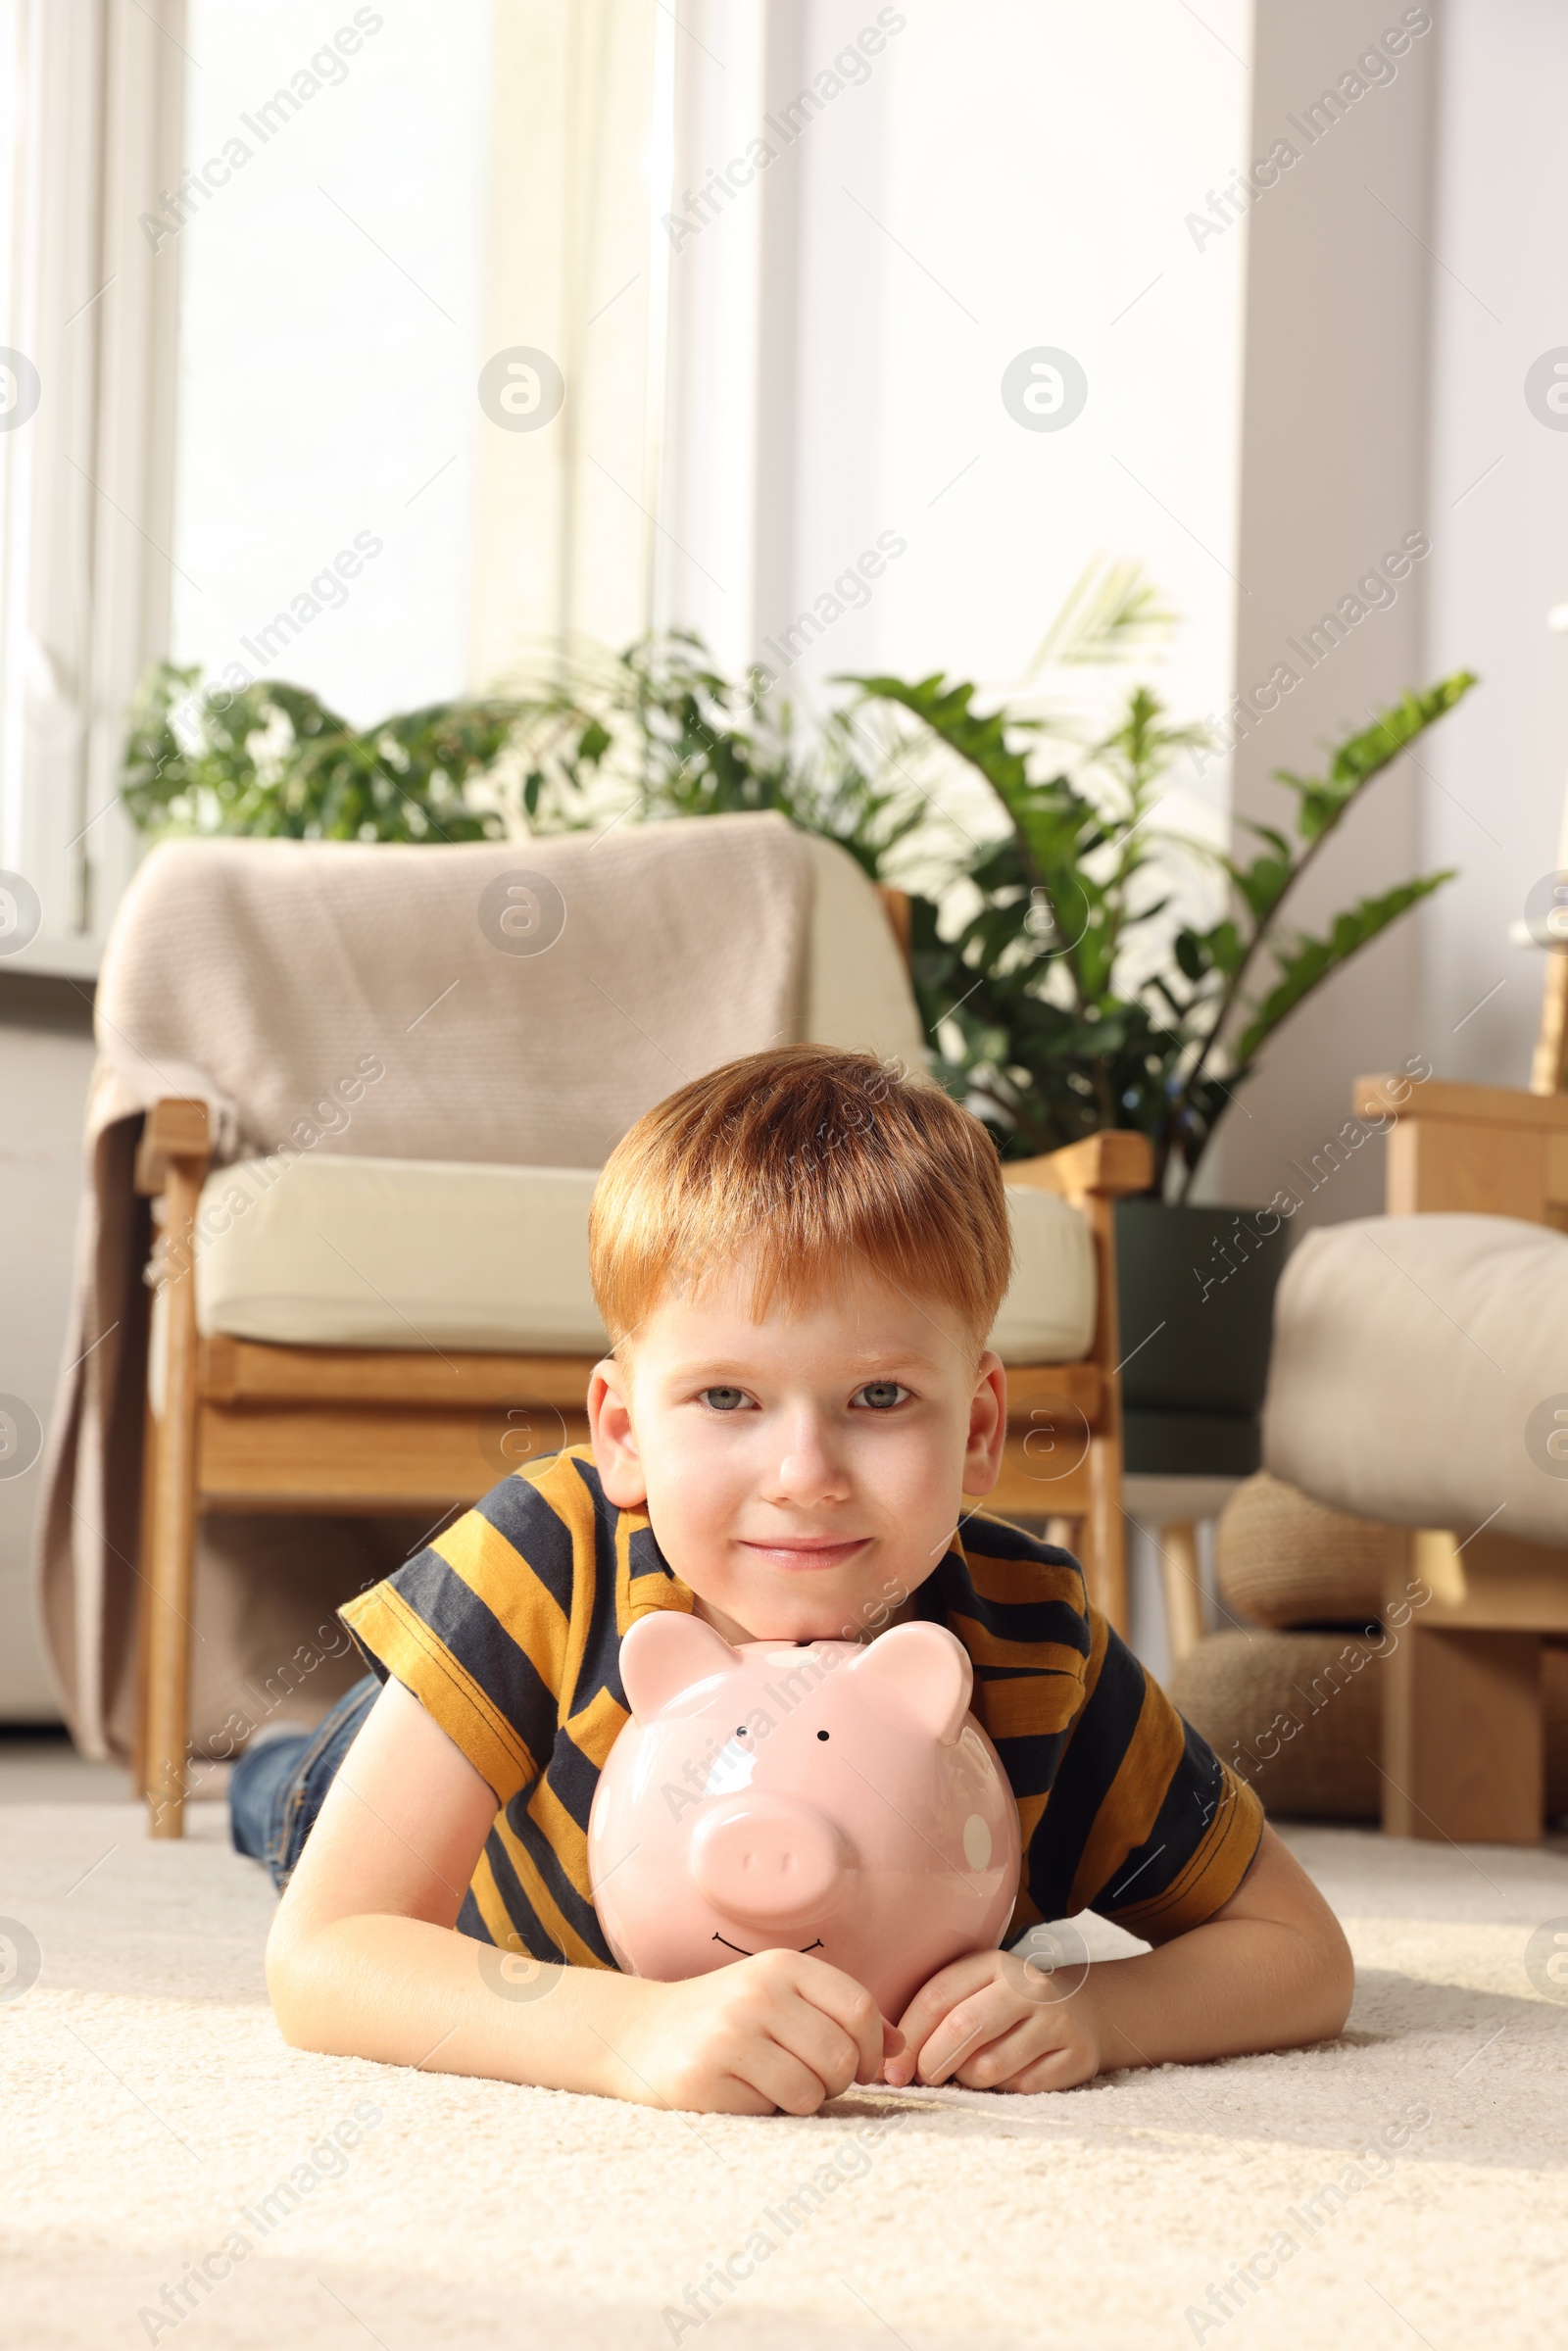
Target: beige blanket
520	1001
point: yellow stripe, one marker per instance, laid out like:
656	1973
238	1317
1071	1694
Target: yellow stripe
498	1574
986	1649
559	1484
390	1631
593	1733
561	1835
539	1897
1030	1707
594	1728
1029	1582
492	1909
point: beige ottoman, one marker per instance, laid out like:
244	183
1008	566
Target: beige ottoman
1297	1695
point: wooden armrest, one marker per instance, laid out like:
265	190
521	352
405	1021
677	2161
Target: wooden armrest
1103	1166
895	907
1392	1096
175	1130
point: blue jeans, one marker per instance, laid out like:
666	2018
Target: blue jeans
276	1790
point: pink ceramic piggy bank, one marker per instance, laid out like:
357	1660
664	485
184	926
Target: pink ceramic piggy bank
824	1797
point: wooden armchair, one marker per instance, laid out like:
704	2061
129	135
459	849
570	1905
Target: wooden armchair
242	1426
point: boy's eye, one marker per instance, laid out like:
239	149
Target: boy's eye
724	1399
880	1395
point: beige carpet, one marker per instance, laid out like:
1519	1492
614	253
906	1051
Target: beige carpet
150	2112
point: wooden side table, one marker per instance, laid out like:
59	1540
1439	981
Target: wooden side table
1464	1756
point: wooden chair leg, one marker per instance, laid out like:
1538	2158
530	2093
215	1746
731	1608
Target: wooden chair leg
1184	1589
1463	1755
170	1566
1550	1062
1104	1549
144	1555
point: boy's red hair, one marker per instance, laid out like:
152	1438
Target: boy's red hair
813	1160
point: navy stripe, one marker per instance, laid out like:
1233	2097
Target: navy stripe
1025	1673
382	1673
999	1539
601	1653
1031	1762
578	1913
1100	1737
573	1779
525	1919
645	1558
951	1592
1032	1624
936	1594
521	1515
470	1921
481	1645
1197	1787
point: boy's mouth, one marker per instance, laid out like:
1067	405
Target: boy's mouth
794	1553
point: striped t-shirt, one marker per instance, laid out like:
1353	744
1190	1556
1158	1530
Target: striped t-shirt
508	1630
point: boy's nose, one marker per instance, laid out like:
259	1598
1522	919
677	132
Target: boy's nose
766	1860
805	1473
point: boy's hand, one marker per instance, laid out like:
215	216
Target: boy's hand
779	2031
992	2022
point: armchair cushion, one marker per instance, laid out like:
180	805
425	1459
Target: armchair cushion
856	987
1415	1360
428	1253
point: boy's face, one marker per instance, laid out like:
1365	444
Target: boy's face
802	1474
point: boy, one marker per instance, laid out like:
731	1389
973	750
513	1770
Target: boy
799	1259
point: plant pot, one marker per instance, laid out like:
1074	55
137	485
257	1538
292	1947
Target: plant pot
1194	1293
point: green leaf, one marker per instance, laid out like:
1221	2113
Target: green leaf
1263	883
1323	800
1307	964
1219	949
945	710
1111	610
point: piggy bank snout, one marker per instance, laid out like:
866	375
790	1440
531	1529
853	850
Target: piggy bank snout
766	1860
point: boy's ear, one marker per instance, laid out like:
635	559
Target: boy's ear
615	1440
988	1426
667	1652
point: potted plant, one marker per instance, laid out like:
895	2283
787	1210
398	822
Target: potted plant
1041	1031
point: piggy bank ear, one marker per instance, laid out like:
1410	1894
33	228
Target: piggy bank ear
927	1669
665	1653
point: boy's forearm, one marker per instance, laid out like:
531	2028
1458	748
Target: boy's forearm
1229	1988
405	1992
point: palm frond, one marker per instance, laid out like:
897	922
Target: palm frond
1111	612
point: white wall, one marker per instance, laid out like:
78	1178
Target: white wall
1499	491
1404	277
1334	473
